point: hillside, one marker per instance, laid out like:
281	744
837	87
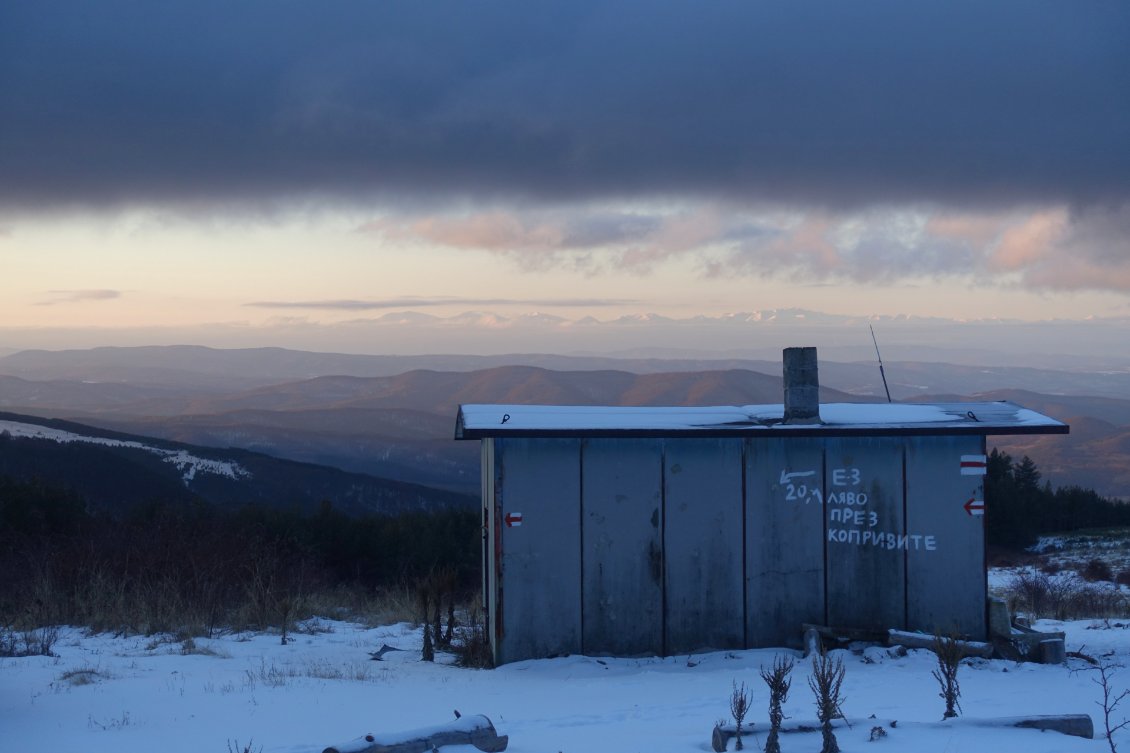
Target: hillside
110	469
401	427
384	416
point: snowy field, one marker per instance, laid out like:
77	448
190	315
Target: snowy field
147	695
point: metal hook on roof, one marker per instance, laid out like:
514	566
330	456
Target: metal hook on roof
505	417
972	415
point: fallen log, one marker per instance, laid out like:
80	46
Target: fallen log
925	640
1075	725
475	730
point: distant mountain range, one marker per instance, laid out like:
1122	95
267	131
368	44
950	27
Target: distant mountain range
111	470
385	416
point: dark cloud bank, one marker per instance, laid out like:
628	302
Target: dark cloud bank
838	103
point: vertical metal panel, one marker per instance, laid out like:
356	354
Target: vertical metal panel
540	582
866	536
622	560
946	587
784	533
702	544
490	564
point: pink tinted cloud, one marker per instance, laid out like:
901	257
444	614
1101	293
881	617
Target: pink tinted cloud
1043	248
1031	241
979	229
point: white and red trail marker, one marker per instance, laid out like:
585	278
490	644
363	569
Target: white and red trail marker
975	506
974	465
513	519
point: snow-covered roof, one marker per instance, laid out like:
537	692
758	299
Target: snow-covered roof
837	419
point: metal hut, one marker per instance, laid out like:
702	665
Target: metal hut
632	530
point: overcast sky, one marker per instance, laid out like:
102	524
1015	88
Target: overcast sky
269	162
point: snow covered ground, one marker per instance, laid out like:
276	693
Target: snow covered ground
139	694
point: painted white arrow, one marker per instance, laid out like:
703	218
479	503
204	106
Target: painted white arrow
787	477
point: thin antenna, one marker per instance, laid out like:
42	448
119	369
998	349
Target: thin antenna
881	372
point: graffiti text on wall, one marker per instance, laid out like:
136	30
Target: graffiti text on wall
858	526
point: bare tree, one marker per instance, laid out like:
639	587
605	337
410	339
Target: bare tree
826	683
428	653
1110	701
949	653
739	707
777	678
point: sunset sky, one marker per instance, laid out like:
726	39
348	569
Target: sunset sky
288	173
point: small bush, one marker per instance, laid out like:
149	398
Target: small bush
37	642
777	678
1064	597
739	707
1096	569
472	644
949	654
826	683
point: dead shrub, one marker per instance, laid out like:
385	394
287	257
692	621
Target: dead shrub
471	644
826	683
777	678
34	642
1096	569
1064	597
949	653
739	707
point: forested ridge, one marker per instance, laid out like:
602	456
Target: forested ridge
1019	508
171	565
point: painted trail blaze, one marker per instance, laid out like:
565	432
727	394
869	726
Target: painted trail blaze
973	465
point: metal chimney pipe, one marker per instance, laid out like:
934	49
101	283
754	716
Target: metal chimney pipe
802	386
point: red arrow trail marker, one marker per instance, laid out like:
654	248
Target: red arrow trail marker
975	506
513	519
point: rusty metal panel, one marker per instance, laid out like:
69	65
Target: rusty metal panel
702	544
784	539
539	589
946	588
866	536
622	558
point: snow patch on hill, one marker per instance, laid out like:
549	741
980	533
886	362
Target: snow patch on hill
184	461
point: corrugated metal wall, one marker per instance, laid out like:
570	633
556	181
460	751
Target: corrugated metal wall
664	546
